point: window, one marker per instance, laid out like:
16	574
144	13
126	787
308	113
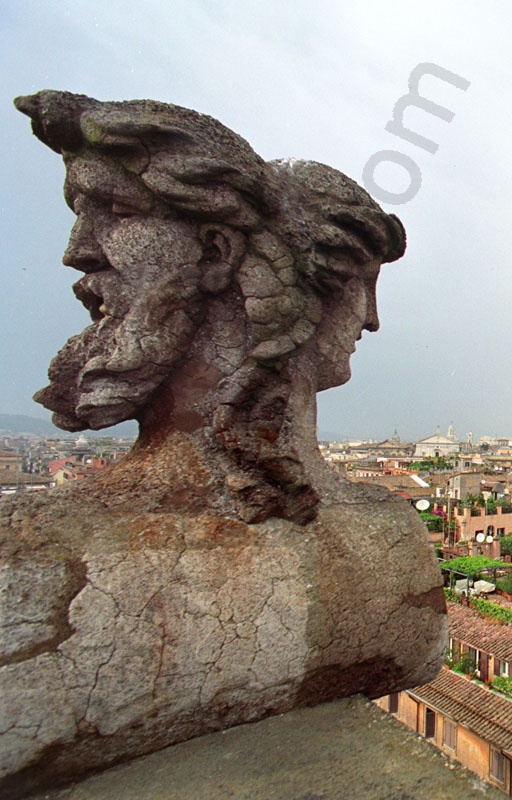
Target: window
430	723
474	658
497	766
454	649
484	666
504	669
393	703
450	734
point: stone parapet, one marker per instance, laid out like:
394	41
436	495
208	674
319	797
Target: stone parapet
345	749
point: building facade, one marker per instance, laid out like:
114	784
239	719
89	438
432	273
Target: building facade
438	446
476	522
10	461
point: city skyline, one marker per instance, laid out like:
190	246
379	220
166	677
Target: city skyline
129	429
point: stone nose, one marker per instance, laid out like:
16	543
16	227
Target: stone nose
372	323
83	251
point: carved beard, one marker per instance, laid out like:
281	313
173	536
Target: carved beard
105	374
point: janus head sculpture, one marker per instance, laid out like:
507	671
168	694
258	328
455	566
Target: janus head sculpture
219	285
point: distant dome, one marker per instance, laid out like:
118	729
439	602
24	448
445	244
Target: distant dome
81	441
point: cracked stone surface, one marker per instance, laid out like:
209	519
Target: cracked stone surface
221	572
189	624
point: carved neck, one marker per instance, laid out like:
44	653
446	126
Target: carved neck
255	432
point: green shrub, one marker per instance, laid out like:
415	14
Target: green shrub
432	521
449	658
465	665
506	545
491	609
471	565
505	584
485	607
503	684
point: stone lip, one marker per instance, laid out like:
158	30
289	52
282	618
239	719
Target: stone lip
347	748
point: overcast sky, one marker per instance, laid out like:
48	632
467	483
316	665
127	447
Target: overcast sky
313	79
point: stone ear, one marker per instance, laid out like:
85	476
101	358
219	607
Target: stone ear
223	249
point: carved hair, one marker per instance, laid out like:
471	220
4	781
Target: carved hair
199	166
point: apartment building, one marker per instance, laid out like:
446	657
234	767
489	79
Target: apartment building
10	461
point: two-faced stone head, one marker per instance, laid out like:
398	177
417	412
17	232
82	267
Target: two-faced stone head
177	214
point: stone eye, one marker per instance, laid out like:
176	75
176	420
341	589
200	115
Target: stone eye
123	210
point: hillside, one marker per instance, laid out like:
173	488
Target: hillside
21	423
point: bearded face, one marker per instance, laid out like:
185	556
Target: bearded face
140	286
144	285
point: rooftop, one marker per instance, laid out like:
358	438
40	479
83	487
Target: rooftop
470	704
468	626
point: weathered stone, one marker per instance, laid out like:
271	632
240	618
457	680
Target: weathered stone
269	246
34	600
211	621
273	348
287	276
221	571
262	310
302	331
342	749
257	279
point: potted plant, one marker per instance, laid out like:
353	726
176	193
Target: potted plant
466	666
449	659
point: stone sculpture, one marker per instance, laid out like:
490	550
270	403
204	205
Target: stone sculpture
222	571
213	281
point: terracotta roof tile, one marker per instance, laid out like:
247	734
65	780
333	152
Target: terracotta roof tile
469	704
468	626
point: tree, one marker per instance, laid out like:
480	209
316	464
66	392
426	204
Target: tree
432	464
506	545
433	521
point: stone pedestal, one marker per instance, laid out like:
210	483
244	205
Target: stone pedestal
126	630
